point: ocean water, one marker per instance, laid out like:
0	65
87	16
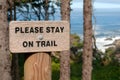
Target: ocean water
107	25
107	22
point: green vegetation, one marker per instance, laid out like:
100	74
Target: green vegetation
55	71
109	72
76	71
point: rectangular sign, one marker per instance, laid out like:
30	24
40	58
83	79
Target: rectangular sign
39	36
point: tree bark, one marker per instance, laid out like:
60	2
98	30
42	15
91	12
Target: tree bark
87	50
15	67
65	55
5	61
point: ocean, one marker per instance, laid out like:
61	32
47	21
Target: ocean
107	22
107	25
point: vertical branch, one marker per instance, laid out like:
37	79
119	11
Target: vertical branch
10	4
10	13
94	28
87	50
65	55
14	10
46	10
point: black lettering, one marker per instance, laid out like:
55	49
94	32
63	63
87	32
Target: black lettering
41	29
17	29
21	30
48	29
48	43
51	43
52	28
55	43
36	29
62	28
31	30
43	44
38	42
30	43
26	29
57	30
27	44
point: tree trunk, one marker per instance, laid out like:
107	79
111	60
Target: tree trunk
5	61
15	64
65	55
87	50
15	67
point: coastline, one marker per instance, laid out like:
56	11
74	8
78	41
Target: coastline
102	41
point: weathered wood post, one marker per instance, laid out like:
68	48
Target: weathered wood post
38	37
38	67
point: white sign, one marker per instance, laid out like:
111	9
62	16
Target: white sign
39	36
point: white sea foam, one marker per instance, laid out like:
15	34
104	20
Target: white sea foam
101	42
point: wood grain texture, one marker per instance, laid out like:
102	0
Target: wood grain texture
38	67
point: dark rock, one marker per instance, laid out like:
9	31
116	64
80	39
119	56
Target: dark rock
108	39
116	43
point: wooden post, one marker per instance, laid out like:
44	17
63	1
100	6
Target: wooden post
38	67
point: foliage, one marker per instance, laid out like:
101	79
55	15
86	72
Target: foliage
110	56
106	58
55	71
33	10
109	72
21	64
75	41
100	72
97	58
76	71
76	47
